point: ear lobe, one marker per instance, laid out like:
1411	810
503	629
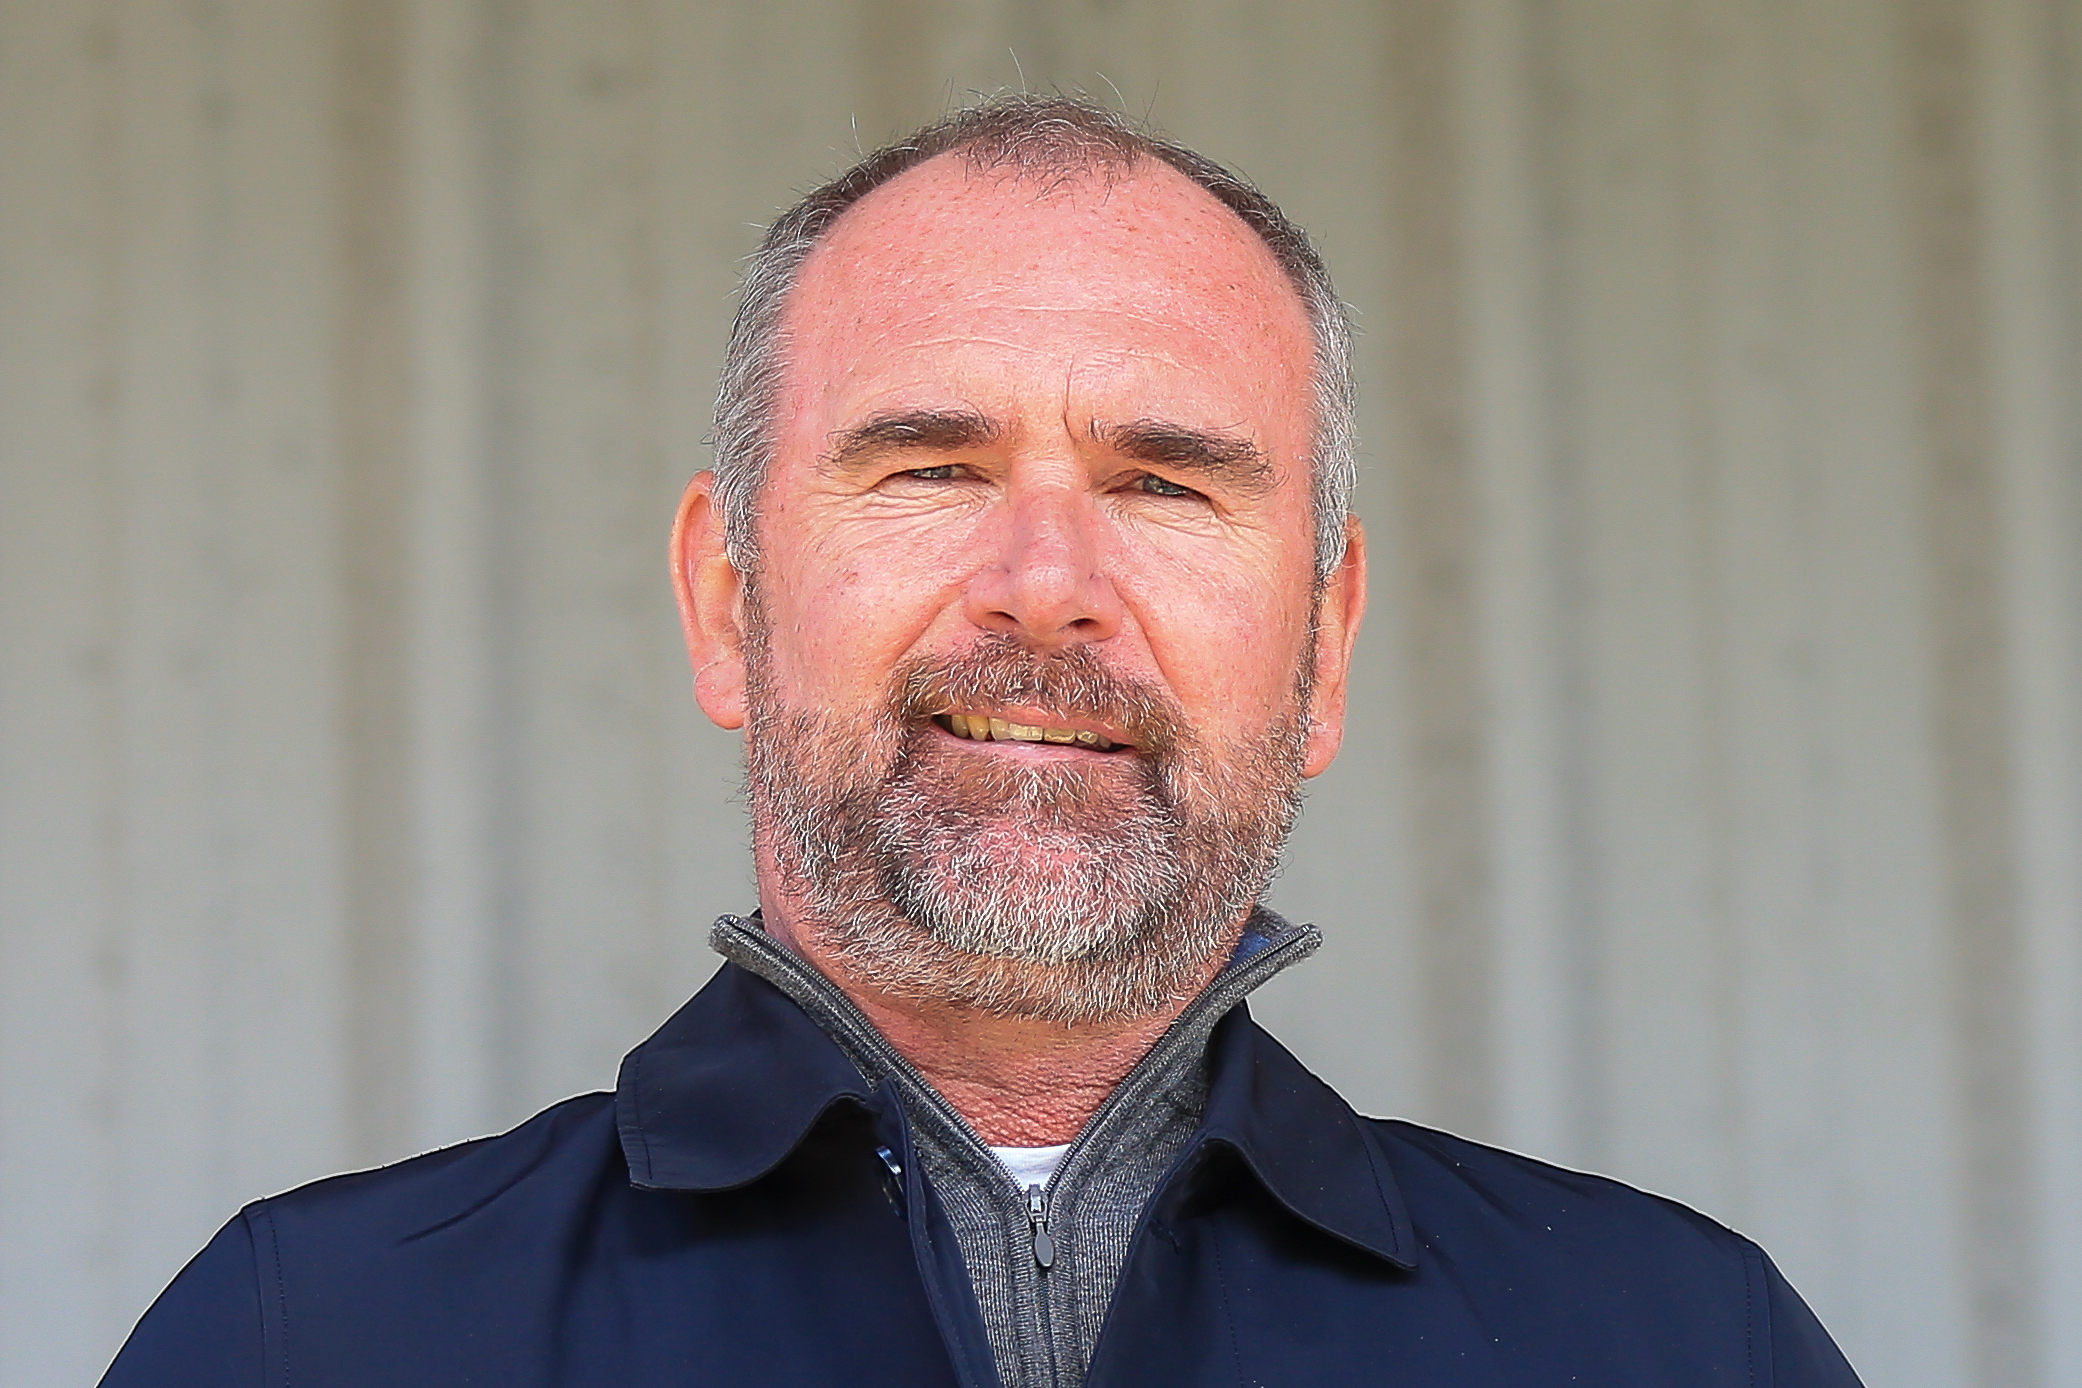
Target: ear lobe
709	589
1339	612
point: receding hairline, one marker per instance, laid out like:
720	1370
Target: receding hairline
1048	182
1059	169
1046	139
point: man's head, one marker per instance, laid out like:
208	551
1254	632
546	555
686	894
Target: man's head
1027	561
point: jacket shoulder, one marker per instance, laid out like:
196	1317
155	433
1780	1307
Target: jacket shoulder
1607	1249
1444	1174
555	1155
368	1236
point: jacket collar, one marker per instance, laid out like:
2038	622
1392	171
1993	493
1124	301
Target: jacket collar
740	1076
1302	1142
728	1087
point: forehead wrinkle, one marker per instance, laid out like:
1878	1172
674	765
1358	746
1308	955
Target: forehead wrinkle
953	319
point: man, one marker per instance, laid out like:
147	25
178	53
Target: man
1026	567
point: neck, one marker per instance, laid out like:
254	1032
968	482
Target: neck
1019	1082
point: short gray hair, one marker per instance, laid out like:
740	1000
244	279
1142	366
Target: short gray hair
1041	134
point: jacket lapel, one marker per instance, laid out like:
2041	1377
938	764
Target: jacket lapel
1303	1143
728	1087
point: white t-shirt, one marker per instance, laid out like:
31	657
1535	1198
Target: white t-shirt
1031	1166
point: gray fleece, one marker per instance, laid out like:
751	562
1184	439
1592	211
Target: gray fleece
1042	1322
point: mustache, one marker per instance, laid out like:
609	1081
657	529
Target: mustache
997	669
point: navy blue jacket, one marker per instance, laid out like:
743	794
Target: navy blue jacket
726	1216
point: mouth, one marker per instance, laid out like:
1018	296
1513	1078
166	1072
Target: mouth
987	727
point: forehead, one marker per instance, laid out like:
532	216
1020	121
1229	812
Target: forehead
1136	259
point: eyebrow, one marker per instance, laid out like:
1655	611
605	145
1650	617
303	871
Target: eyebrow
1225	457
1222	456
935	431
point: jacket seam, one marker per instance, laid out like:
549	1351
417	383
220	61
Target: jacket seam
1214	1247
1392	1207
1752	1276
643	1132
260	1214
938	1298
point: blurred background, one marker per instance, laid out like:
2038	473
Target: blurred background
1712	813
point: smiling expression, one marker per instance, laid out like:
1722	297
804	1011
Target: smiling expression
1080	415
1066	422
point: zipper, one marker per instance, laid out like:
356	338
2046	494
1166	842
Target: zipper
1037	1217
894	1186
1046	1355
871	1052
1128	1089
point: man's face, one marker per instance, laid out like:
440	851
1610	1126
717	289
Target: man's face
1034	625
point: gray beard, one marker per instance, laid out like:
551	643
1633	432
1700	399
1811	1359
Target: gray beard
1103	890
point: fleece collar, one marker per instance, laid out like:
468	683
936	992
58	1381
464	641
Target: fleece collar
741	1076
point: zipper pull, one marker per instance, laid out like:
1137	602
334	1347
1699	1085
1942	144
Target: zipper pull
893	1188
1037	1215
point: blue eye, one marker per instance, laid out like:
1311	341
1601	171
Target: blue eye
1163	486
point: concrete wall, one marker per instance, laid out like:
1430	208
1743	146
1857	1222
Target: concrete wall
1713	813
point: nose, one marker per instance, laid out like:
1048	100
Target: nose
1045	583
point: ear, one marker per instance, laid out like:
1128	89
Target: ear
1338	614
711	597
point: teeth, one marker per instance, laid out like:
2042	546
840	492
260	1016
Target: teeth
983	728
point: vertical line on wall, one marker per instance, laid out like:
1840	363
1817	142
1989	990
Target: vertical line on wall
644	242
1588	1103
1583	807
1435	550
1726	418
2031	135
1996	1180
218	548
1507	280
499	361
2055	43
371	395
1768	751
451	529
110	1032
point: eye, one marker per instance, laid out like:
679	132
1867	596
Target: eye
943	472
1161	486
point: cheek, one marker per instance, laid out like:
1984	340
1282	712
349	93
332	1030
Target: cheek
825	647
845	609
1227	634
